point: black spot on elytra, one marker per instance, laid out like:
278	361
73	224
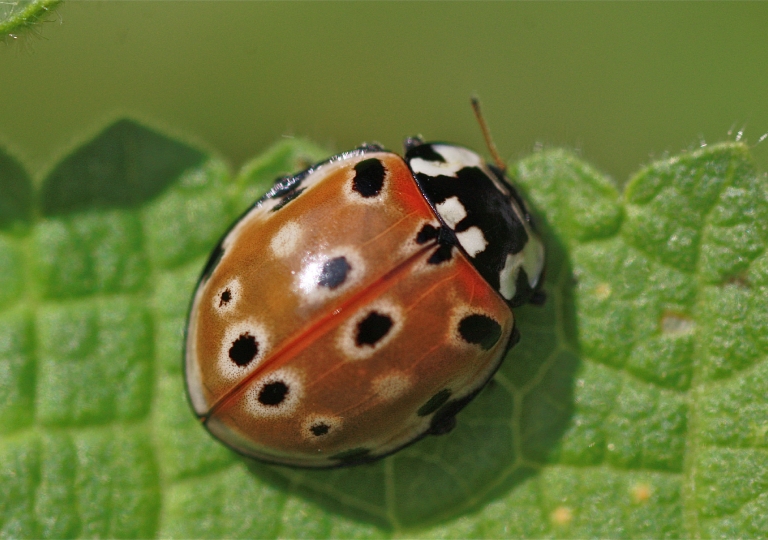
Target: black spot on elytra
319	429
287	184
213	262
244	349
355	455
273	393
369	177
288	198
427	233
334	273
480	330
424	151
225	297
371	329
434	403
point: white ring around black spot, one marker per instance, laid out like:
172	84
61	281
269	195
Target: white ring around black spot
276	394
369	330
320	426
327	275
227	297
239	341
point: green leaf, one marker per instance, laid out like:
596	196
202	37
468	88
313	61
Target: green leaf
20	16
634	406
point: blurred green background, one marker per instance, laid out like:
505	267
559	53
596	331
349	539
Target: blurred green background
620	82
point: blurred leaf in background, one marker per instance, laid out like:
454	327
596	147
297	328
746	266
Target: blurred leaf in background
620	82
634	406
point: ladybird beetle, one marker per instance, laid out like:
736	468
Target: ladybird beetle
360	304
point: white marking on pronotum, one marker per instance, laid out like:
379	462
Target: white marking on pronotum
472	240
286	239
508	275
452	211
456	158
533	261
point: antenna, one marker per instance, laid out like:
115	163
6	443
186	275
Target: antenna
487	135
